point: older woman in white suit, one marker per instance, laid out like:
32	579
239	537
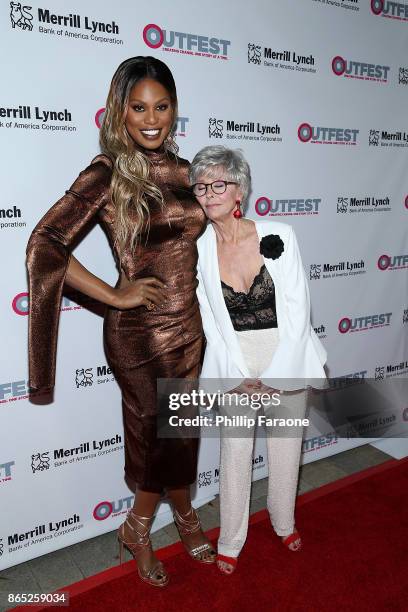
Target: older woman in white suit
255	308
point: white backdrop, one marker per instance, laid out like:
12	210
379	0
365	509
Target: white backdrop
249	75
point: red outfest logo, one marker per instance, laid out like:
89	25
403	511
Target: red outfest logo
390	9
393	262
13	390
359	70
100	114
295	206
105	509
153	36
20	304
6	471
406	202
327	135
185	42
364	323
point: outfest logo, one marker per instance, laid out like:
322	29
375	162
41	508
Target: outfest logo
392	262
6	472
287	207
365	71
185	42
327	135
318	442
390	9
364	323
105	509
13	390
21	303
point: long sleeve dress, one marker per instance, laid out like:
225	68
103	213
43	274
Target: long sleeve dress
141	345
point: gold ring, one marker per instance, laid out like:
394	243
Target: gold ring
150	306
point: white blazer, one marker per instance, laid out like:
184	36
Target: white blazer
300	356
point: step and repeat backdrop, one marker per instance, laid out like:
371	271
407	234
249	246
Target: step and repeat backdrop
315	93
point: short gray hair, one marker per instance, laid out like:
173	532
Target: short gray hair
231	160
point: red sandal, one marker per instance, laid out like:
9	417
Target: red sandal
293	537
232	561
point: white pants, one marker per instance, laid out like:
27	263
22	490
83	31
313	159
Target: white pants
258	347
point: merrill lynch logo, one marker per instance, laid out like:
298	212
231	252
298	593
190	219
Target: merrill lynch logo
254	54
374	138
40	462
379	373
315	271
342	204
84	378
403	76
215	128
20	16
204	478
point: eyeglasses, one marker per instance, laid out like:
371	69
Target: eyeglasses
217	187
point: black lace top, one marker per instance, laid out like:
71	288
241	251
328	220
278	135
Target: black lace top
255	309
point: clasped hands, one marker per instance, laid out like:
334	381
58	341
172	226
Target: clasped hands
250	386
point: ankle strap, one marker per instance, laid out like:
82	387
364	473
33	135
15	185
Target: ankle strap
187	525
142	535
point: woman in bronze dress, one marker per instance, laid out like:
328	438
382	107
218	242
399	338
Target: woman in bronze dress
138	190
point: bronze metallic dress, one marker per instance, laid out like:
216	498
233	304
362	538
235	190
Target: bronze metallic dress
141	345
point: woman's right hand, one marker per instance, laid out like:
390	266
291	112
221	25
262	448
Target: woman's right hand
148	292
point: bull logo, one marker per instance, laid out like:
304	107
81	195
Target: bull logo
40	462
379	373
204	479
215	128
84	378
374	138
20	16
254	54
315	271
342	204
403	76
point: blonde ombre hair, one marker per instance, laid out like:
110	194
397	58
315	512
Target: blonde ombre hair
131	183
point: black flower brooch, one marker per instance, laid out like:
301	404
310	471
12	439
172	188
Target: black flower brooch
272	246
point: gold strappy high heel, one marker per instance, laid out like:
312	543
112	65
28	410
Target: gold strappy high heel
157	575
188	524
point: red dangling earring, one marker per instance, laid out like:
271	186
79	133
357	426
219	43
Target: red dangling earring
237	212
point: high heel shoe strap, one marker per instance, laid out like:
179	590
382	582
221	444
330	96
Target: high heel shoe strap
185	525
143	537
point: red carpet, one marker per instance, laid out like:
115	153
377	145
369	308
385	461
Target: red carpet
354	557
